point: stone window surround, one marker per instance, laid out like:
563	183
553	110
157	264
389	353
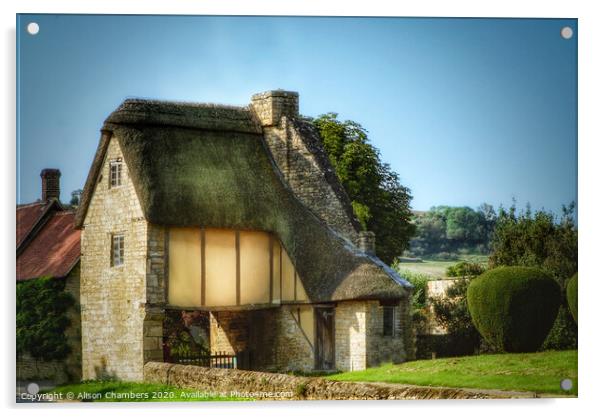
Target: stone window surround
115	173
388	321
117	253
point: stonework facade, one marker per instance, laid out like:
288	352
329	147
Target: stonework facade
359	337
273	338
303	163
113	298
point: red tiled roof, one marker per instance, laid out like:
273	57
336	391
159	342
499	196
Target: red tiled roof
28	216
53	251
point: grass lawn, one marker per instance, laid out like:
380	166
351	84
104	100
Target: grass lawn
110	391
436	269
539	372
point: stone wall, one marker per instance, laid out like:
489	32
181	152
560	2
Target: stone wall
383	348
293	350
156	284
272	337
350	335
234	383
59	371
229	331
359	338
114	298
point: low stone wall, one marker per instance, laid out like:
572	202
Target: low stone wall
299	388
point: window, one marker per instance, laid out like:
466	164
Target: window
115	174
388	320
117	252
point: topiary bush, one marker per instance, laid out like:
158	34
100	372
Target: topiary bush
514	307
571	296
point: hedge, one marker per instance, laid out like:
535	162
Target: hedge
514	308
571	296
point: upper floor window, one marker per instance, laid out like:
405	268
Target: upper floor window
116	169
388	320
117	250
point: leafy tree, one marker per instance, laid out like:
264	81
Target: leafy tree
177	335
419	301
75	197
451	312
379	201
463	269
540	240
453	229
572	296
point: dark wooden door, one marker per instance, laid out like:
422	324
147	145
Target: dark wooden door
324	338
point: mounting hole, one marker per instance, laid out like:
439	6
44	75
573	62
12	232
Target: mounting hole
566	384
566	32
33	28
33	388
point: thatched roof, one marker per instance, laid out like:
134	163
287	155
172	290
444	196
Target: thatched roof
207	165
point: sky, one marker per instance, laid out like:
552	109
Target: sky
466	111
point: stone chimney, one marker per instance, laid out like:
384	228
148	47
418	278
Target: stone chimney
367	242
272	105
51	184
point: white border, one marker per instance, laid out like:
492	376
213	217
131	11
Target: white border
590	178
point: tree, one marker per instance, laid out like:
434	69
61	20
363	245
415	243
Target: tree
42	318
540	240
76	196
451	312
452	229
379	201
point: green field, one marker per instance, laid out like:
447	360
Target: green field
539	372
436	269
111	391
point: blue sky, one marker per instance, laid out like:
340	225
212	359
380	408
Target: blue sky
465	110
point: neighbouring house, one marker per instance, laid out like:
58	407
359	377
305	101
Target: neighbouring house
235	212
48	245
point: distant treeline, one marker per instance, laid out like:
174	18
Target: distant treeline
445	232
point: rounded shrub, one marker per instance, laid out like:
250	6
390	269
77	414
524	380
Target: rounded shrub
513	307
571	296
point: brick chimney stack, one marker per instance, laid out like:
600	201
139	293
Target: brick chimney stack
51	184
367	242
272	105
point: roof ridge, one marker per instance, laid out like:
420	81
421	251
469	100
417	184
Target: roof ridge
27	205
141	100
67	212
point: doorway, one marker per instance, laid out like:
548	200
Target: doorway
324	338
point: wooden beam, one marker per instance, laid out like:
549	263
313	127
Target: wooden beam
166	264
237	267
271	251
294	283
243	307
203	273
280	259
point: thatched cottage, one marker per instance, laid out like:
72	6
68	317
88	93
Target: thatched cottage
237	212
